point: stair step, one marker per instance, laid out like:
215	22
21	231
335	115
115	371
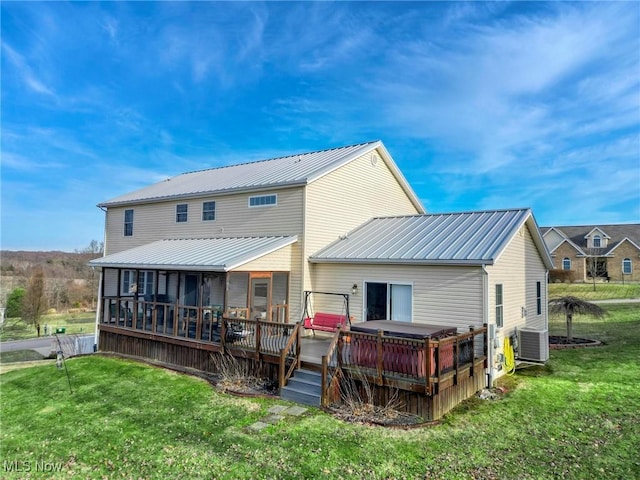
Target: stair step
304	386
308	376
293	394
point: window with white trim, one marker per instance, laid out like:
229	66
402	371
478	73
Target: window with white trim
626	266
539	297
596	241
143	286
263	200
499	306
566	263
208	211
181	212
128	222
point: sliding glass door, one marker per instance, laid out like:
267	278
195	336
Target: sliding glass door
388	301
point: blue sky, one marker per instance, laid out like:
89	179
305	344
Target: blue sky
482	105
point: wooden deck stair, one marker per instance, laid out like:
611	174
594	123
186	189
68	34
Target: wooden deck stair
304	387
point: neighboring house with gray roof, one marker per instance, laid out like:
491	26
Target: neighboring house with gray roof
603	252
246	241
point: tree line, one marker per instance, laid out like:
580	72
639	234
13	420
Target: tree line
37	282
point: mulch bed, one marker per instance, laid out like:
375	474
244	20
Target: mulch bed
558	342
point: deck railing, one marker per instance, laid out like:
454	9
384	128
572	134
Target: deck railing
331	369
291	352
386	359
202	324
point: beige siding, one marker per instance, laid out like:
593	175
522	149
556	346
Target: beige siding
278	261
441	295
155	221
348	197
518	269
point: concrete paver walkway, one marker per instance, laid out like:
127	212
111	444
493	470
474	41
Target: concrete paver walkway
277	413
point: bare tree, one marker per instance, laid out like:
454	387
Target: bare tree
34	302
570	306
595	265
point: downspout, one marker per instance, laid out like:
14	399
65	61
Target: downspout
546	301
491	328
96	335
303	259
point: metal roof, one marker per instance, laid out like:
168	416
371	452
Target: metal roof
212	254
292	170
468	238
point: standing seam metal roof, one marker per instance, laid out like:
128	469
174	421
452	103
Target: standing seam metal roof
213	254
450	238
279	172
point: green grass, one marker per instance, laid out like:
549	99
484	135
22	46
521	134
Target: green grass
16	329
20	356
603	291
575	418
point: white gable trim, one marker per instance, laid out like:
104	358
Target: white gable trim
593	230
621	242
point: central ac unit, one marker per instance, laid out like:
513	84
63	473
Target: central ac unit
533	345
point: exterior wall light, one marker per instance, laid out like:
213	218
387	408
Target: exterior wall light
354	289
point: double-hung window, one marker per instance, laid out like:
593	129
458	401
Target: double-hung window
539	297
208	211
626	266
128	223
499	306
181	212
566	263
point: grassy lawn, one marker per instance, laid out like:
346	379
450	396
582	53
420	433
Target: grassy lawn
604	291
16	329
577	418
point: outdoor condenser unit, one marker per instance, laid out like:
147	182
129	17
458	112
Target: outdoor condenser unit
533	345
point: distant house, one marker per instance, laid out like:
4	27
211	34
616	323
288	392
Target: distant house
603	252
226	258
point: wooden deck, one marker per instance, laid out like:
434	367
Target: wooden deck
433	375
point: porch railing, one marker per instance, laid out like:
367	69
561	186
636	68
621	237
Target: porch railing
385	359
204	324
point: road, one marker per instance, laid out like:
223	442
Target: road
42	345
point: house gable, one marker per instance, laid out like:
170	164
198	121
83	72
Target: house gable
597	238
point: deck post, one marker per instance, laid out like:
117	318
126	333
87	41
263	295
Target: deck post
298	332
456	359
380	361
258	338
473	349
427	366
323	382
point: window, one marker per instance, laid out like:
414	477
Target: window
208	211
263	200
596	241
566	263
181	212
499	306
626	266
128	223
539	297
143	286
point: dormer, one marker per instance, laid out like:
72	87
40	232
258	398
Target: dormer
597	238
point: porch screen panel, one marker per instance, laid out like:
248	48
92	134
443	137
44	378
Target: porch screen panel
401	302
238	290
280	286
